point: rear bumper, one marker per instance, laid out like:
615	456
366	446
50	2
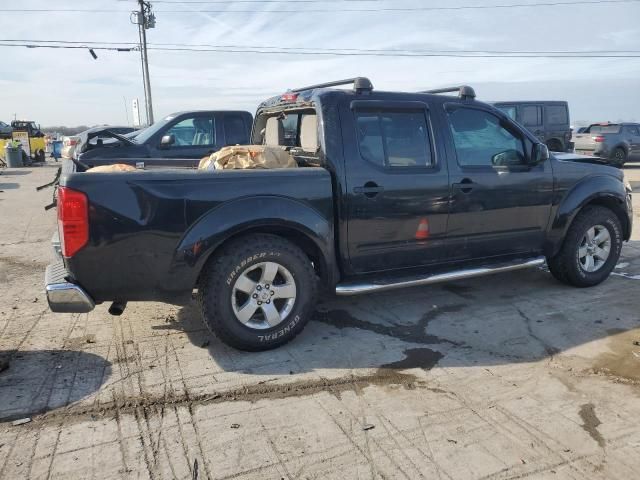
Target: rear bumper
65	296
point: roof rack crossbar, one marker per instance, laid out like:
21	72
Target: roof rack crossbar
464	91
359	84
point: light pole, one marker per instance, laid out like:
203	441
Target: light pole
145	20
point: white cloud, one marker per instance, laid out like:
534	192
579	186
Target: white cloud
69	87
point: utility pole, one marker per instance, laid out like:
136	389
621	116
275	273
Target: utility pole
145	20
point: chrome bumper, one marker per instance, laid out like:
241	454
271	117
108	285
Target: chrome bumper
62	295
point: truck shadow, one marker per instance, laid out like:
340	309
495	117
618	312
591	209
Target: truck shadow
9	186
34	382
518	317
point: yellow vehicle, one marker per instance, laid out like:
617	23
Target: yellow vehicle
28	133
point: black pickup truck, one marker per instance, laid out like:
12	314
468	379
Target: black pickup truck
181	135
392	190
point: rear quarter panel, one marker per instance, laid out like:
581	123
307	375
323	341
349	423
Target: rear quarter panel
152	231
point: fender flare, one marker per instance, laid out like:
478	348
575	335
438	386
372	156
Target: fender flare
266	213
601	190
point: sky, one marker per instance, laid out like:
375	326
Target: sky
68	87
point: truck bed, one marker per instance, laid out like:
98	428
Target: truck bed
149	230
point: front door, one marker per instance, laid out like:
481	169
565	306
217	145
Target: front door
397	186
500	203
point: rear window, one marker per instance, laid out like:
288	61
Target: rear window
604	129
557	115
235	130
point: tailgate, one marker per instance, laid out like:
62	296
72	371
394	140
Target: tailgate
584	142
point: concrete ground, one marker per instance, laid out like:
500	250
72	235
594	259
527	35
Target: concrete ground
509	376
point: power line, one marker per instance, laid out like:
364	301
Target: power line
332	10
407	54
31	45
200	46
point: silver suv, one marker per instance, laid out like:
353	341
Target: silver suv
616	142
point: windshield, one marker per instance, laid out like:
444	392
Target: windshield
134	134
150	131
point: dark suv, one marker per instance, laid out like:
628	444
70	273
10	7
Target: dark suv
547	120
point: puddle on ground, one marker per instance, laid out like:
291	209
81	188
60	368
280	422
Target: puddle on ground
412	333
623	359
590	422
424	358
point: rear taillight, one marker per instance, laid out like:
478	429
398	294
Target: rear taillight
73	220
598	139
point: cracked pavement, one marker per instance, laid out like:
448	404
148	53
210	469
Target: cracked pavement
508	376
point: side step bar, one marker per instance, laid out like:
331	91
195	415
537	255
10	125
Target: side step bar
359	287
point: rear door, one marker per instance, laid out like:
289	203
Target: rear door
531	117
397	185
500	205
556	126
632	137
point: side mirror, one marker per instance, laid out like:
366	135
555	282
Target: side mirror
539	153
167	141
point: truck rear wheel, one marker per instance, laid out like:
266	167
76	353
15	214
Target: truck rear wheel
618	156
590	250
258	293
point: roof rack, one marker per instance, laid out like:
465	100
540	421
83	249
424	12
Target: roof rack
464	91
360	84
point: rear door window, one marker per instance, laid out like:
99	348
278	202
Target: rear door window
531	115
235	130
394	138
632	129
557	115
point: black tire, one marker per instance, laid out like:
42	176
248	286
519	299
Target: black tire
218	280
618	156
40	156
26	161
555	146
566	265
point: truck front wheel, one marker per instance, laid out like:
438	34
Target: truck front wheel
258	292
590	250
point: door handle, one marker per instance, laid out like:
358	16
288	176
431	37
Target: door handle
465	185
369	189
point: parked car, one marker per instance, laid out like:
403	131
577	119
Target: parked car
547	120
193	135
73	145
617	143
393	190
5	130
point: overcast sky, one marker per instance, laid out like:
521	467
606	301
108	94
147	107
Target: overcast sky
69	87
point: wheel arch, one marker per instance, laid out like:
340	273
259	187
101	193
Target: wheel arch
554	141
291	233
304	226
602	191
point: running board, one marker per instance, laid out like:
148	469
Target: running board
359	287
